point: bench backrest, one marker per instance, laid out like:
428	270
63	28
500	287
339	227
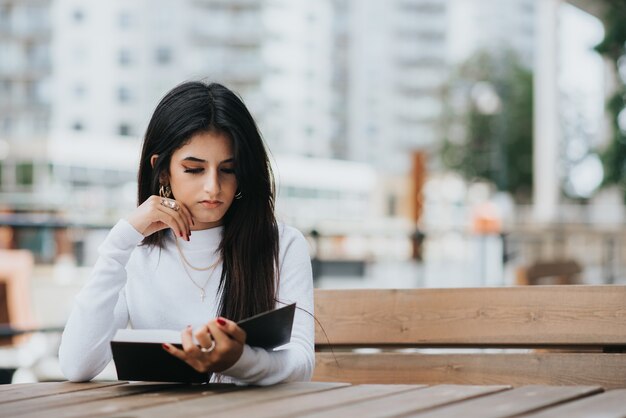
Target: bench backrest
583	322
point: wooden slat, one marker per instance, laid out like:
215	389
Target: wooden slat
602	369
512	403
611	404
106	401
34	406
507	316
221	404
313	402
407	402
21	391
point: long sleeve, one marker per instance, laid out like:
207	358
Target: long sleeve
296	360
99	309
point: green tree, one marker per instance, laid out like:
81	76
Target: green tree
613	47
490	138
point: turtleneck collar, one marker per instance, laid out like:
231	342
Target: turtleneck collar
202	239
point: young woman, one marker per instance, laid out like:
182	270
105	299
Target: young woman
201	251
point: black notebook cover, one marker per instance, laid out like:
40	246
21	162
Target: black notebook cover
141	360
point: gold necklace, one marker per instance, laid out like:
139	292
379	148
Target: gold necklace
182	256
186	263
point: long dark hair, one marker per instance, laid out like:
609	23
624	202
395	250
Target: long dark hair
249	245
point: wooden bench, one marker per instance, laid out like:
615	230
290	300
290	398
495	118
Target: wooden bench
556	335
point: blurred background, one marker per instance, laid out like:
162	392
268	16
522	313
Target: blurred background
416	143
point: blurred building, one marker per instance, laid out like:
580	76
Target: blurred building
315	193
492	26
297	116
78	82
25	100
397	64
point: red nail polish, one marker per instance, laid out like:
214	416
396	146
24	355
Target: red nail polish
221	321
166	347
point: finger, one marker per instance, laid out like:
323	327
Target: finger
182	215
167	216
188	215
203	336
221	336
182	355
176	352
187	339
232	329
222	340
183	219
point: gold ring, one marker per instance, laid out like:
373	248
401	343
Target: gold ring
208	350
170	203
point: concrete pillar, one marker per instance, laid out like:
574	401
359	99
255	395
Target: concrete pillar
546	130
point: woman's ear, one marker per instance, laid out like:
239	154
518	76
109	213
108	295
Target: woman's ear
163	178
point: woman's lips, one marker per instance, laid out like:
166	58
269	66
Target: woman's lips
210	204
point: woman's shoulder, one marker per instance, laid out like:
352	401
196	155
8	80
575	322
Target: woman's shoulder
292	241
288	232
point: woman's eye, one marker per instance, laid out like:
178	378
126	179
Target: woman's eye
228	170
193	170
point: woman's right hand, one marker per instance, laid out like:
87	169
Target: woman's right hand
152	216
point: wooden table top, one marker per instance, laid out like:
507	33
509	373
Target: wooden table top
313	399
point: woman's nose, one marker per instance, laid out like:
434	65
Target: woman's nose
212	183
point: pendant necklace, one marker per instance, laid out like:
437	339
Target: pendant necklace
186	263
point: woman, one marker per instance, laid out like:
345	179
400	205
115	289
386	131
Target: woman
203	243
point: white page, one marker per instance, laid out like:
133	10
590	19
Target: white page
148	336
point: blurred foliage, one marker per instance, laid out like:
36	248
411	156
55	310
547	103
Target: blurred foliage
493	145
613	47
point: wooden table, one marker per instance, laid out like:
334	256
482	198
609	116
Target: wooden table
317	399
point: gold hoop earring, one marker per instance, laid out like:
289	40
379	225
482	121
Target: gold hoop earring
165	191
238	195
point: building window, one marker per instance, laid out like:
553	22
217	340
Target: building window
6	125
5	13
41	124
78	126
124	57
125	20
78	15
163	55
5	88
24	173
123	95
79	91
124	129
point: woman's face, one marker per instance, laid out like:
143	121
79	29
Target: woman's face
202	177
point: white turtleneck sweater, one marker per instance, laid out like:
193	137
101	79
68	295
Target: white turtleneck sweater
148	288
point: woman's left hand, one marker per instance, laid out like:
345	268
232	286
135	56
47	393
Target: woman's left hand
229	341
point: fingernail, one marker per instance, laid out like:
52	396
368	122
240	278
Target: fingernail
221	321
166	347
181	234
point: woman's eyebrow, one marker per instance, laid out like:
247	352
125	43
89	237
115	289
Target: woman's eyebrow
194	159
199	160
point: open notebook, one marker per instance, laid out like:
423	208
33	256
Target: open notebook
139	355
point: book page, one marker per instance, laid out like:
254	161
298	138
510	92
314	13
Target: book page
147	336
